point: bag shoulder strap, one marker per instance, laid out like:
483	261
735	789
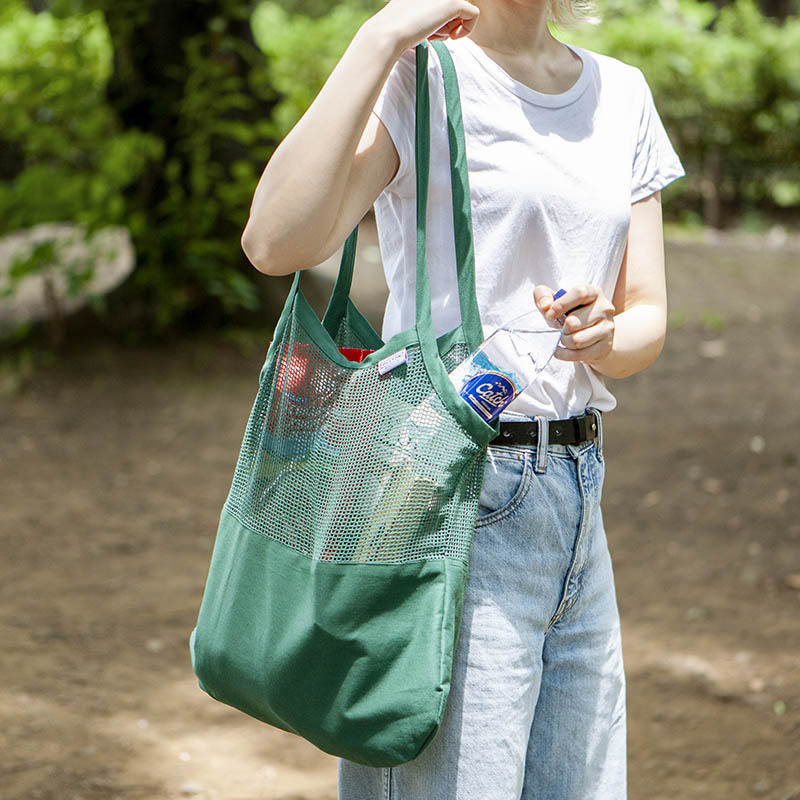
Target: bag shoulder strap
462	213
462	210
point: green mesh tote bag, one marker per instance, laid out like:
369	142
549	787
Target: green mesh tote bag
334	595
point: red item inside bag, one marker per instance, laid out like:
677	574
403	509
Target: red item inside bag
354	354
294	376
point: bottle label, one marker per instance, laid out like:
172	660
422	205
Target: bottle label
488	393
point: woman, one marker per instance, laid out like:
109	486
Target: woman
567	157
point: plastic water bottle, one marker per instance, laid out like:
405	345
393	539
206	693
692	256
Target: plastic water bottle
507	362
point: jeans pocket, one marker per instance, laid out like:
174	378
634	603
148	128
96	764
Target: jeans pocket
506	479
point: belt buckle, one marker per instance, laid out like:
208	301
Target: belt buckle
582	425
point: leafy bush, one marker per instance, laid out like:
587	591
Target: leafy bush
65	157
727	85
104	124
302	52
94	133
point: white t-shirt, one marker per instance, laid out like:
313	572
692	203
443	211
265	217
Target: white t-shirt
552	179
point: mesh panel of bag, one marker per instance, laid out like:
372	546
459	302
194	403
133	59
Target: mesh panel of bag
375	498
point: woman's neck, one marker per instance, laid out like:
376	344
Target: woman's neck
514	27
514	34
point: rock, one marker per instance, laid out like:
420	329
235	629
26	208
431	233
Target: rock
776	237
651	499
693	670
757	444
109	250
750	575
712	485
191	788
792	581
713	348
696	613
694	472
754	549
753	314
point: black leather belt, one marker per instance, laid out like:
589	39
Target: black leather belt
561	431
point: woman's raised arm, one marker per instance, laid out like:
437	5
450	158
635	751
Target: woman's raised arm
338	158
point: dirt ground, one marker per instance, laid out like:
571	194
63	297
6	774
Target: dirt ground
115	465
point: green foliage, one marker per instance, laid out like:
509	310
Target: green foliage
73	161
144	114
302	52
205	203
204	87
320	8
727	85
171	144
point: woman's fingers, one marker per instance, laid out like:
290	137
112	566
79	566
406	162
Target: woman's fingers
454	29
471	14
414	21
588	330
543	297
588	336
587	354
580	295
587	344
584	317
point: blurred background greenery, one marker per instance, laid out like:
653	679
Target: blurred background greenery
159	117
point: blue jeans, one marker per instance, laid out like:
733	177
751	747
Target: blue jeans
537	704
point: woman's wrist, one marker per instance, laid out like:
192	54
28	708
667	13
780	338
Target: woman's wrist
639	334
381	35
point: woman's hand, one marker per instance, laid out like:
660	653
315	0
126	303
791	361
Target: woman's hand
588	331
415	20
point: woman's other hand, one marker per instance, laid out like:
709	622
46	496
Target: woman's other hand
625	335
588	330
415	20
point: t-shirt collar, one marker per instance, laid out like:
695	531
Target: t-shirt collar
525	92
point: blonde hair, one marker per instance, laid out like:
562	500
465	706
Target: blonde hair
566	11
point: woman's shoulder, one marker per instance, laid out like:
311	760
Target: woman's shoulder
402	79
610	70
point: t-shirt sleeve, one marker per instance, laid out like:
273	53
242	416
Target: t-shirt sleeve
395	108
655	162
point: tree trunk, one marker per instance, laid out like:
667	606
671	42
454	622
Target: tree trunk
710	184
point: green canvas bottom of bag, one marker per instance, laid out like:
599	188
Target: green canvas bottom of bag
330	651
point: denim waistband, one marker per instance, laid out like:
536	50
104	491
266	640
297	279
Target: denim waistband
541	450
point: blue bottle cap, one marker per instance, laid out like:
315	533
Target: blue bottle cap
563	318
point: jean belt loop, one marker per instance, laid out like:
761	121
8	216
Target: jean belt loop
542	443
599	422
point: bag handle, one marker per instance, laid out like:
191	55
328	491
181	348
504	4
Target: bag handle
462	210
462	213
